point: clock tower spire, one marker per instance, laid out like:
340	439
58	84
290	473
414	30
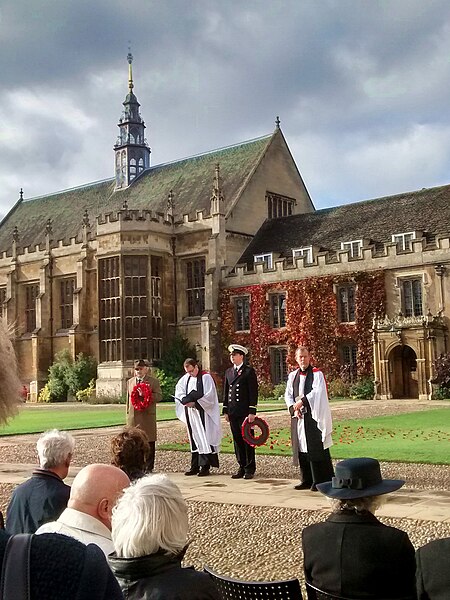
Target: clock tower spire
132	154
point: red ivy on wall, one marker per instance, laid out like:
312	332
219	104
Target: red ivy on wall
311	319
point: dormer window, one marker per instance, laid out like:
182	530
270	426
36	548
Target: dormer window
306	252
404	240
354	248
265	259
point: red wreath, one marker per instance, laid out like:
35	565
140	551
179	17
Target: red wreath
248	432
141	396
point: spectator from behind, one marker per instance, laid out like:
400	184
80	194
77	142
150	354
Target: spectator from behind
149	531
59	567
44	496
353	554
87	518
433	570
130	452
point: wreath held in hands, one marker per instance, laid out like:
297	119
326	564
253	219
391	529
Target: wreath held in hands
141	396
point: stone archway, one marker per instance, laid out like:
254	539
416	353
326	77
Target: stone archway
403	372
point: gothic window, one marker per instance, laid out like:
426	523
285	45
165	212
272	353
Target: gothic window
412	297
242	313
132	168
66	288
135	306
2	301
278	365
347	358
279	206
277	304
195	275
266	259
353	247
346	303
404	240
141	165
31	293
156	308
307	252
109	309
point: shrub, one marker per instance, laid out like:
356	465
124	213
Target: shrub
278	391
80	373
167	383
107	399
176	352
87	394
442	369
44	394
363	389
68	376
338	388
441	393
265	390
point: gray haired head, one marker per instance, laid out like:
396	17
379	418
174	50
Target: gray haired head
54	448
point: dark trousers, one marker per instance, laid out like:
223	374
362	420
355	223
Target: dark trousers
245	454
315	471
151	458
204	461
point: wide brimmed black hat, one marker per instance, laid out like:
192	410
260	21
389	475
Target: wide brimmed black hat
358	478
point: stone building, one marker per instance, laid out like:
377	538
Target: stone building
111	268
380	301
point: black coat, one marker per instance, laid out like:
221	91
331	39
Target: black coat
356	556
161	577
64	568
40	499
240	392
433	570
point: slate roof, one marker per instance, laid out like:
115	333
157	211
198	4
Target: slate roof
190	179
376	220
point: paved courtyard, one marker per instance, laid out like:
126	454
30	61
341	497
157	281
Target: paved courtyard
252	529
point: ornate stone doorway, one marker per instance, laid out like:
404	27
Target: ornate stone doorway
403	372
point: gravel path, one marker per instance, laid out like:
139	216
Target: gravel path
251	542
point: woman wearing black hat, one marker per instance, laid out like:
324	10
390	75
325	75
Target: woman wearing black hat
353	554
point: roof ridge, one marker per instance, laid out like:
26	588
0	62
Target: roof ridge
214	151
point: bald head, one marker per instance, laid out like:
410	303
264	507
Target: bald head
96	489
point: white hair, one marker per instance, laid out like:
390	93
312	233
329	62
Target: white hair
54	447
358	505
150	516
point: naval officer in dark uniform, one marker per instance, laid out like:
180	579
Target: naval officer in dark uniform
240	397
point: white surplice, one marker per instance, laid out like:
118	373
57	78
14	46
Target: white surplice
209	434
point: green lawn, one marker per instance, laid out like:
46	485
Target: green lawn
35	418
414	437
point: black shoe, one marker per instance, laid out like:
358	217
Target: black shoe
192	472
238	475
248	475
313	488
203	473
302	486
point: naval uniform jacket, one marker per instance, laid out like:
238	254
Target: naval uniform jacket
240	392
145	419
356	556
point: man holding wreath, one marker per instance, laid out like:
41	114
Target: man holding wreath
143	392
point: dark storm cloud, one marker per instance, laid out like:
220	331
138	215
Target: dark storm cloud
361	87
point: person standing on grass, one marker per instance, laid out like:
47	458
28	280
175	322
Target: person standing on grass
306	397
197	406
143	392
240	397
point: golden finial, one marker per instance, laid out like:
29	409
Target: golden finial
130	70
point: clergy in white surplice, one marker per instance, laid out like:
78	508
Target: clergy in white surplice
197	406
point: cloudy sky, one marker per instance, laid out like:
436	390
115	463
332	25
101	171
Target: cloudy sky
362	88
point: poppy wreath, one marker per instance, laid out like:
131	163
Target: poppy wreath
141	396
248	432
